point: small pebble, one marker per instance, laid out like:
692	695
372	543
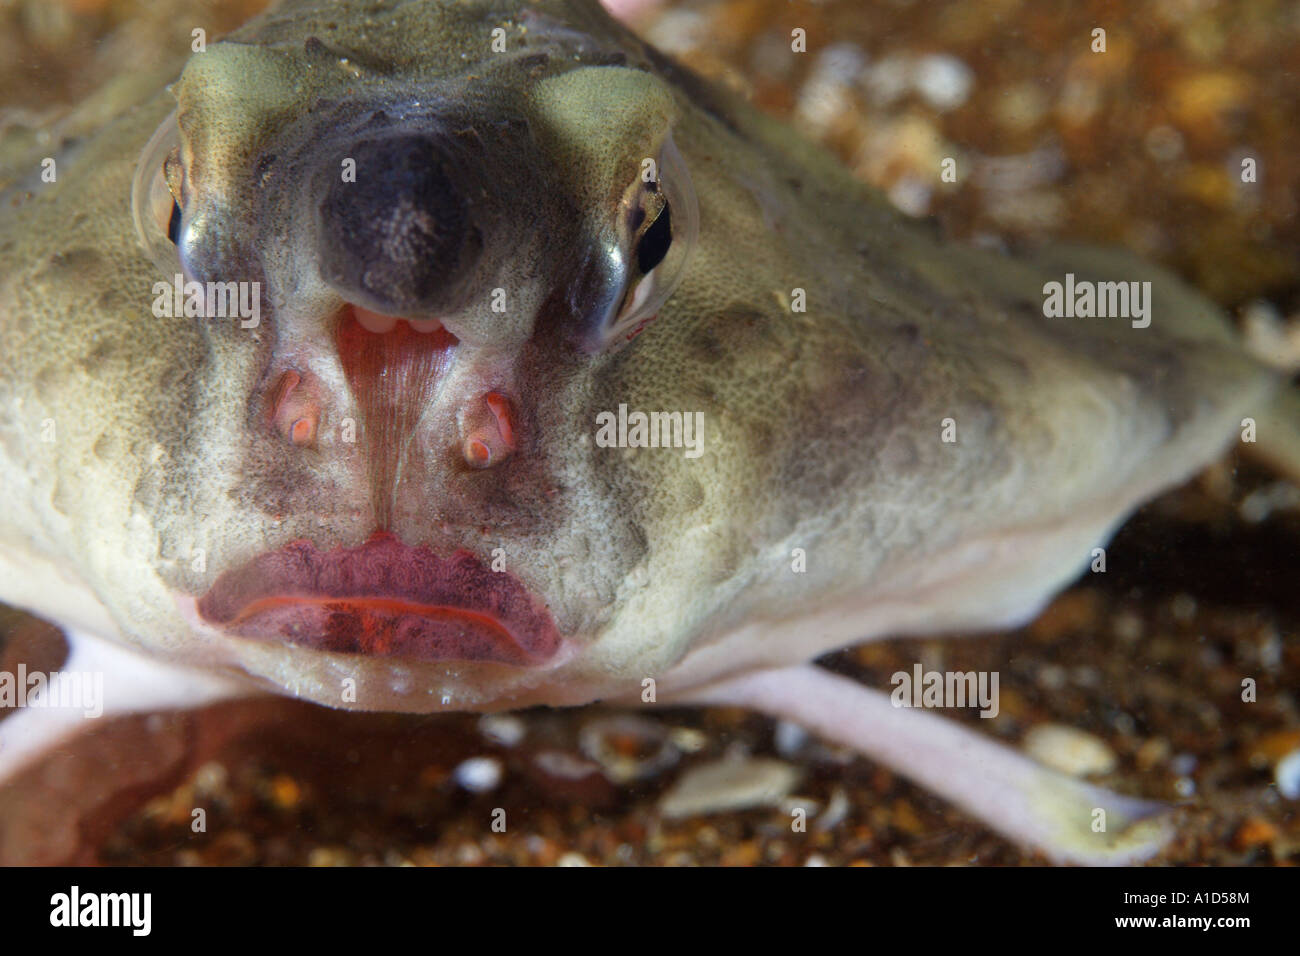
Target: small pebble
887	79
729	784
1259	504
1270	337
678	31
1270	649
1287	775
789	738
478	774
628	747
826	92
504	729
837	808
210	778
468	854
943	81
1069	750
688	740
566	766
911	194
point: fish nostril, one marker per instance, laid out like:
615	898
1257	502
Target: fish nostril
303	431
399	236
477	453
293	410
488	431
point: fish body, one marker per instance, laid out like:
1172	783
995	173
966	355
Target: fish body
546	373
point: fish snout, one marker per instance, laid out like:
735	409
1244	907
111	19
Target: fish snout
396	230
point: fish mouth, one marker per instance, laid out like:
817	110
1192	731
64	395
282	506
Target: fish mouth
383	598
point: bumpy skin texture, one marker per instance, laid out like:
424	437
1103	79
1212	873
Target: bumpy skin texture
822	428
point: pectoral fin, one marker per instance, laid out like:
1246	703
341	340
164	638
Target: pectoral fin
70	767
1024	801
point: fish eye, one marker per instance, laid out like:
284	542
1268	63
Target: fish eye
662	223
655	242
174	224
156	192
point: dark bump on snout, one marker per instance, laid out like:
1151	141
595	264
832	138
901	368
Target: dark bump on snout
400	238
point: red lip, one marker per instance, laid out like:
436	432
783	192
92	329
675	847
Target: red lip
383	599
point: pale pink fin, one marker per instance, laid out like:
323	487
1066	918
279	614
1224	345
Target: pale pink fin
131	683
1021	799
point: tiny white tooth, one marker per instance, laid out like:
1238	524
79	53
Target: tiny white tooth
377	324
373	321
425	326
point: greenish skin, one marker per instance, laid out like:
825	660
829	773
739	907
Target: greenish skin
823	428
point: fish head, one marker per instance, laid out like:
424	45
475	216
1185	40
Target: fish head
444	228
